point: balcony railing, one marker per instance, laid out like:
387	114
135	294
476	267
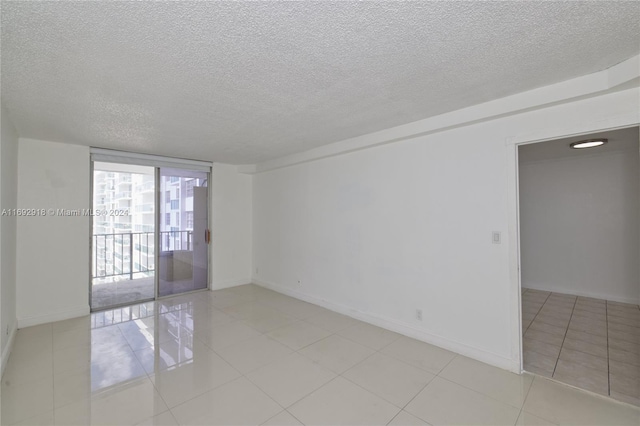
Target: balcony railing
127	253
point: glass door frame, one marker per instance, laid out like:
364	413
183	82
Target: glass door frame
158	174
156	254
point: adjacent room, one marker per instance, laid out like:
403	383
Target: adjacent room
320	213
579	236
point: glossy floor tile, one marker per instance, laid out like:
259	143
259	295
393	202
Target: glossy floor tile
247	355
563	405
584	342
290	379
239	402
343	402
446	402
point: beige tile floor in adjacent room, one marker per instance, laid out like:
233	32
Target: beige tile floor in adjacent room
251	356
590	343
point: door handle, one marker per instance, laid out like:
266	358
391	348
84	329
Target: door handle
207	236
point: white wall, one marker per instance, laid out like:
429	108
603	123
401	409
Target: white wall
53	251
231	227
380	232
579	225
8	200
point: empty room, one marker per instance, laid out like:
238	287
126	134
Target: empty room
579	236
320	213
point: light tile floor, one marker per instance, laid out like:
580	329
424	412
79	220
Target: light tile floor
251	356
590	343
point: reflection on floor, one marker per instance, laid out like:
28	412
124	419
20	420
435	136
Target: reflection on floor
590	343
176	286
248	355
121	292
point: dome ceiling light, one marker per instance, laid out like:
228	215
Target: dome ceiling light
589	143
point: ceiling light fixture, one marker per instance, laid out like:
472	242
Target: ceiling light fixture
589	143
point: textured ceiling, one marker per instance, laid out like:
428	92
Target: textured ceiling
244	82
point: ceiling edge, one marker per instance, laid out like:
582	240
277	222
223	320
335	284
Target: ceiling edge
621	76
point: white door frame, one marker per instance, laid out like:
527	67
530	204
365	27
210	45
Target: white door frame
513	198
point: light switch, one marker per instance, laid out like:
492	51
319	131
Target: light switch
496	237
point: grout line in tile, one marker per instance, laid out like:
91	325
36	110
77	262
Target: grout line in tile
325	384
608	395
536	315
476	391
565	336
483	394
378	351
269	396
519	414
434	376
173	416
293	352
393	418
561	347
368	391
418	393
291	414
526	396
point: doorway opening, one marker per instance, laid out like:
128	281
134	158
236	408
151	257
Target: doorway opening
579	236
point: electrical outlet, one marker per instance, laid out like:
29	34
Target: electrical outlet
419	314
496	238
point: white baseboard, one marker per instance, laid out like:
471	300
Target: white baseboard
401	328
219	285
78	311
594	295
6	352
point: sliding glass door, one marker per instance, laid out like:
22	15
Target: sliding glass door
183	262
123	237
150	232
